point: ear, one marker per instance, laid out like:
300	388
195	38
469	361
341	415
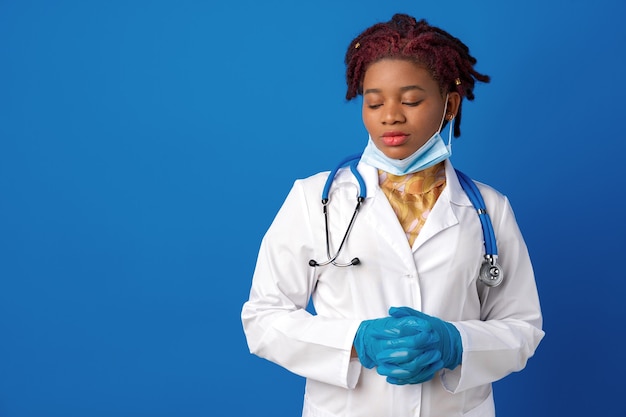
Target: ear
454	101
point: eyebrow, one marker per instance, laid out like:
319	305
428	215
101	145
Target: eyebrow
403	89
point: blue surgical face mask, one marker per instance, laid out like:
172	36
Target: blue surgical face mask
430	153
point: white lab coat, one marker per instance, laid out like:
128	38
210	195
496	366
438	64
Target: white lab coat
500	327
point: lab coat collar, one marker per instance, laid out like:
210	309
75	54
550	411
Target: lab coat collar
453	188
442	216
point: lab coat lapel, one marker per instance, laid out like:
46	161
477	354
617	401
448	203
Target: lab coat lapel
443	216
383	220
440	218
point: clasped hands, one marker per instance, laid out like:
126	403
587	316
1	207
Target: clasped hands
408	347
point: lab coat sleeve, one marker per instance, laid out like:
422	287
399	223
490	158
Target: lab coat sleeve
510	326
275	320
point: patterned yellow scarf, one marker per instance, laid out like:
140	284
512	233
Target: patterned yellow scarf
412	196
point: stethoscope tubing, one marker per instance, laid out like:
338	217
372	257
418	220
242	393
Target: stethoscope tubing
493	274
353	160
476	198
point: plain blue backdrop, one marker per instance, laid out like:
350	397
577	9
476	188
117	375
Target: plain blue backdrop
145	147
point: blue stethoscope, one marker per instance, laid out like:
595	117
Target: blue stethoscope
490	271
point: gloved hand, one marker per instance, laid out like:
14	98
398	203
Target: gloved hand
391	334
414	362
449	345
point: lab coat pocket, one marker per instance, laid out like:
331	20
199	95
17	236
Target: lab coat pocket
484	409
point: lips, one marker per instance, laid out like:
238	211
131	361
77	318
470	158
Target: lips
395	138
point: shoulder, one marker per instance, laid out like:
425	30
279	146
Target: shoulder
312	184
498	206
306	190
496	202
489	192
314	179
316	182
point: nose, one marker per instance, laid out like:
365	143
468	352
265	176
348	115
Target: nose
392	114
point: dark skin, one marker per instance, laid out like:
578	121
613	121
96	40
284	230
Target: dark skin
403	106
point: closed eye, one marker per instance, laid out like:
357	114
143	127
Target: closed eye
412	103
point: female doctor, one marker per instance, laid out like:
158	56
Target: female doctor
405	323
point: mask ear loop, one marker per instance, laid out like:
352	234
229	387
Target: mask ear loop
443	118
449	145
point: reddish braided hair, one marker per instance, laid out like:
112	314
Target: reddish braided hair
446	57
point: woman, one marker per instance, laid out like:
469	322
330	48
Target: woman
404	326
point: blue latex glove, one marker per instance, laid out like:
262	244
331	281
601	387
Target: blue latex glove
449	345
391	334
412	366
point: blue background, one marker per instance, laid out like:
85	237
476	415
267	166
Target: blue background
145	147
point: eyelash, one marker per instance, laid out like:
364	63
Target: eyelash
410	104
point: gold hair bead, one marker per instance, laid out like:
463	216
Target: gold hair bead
457	81
358	44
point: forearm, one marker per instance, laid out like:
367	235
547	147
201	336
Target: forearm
491	350
311	346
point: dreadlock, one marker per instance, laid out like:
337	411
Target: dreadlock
446	57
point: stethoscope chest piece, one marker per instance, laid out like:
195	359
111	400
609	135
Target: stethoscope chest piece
490	273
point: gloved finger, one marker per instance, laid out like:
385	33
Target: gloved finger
404	363
406	349
398	312
400	327
418	379
399	376
420	341
424	340
397	343
425	375
419	349
397	357
376	346
402	376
